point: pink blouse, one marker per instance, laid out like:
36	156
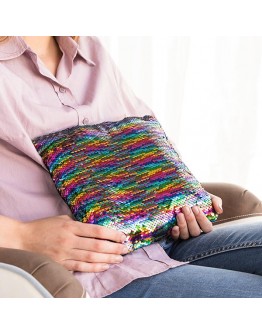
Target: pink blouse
87	89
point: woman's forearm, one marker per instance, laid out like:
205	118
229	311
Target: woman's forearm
10	233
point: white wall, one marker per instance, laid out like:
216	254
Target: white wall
206	92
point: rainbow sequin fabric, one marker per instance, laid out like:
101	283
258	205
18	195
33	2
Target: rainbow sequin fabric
123	175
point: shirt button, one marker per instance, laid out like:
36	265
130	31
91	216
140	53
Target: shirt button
62	90
85	121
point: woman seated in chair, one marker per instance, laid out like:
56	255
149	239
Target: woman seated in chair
52	83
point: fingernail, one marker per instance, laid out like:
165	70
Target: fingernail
176	230
220	206
196	210
119	258
105	266
125	250
187	210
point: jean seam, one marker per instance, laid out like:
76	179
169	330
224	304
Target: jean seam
215	251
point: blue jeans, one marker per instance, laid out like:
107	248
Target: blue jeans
225	263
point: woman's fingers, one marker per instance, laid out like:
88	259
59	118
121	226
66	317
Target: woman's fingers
76	246
182	224
204	224
85	266
98	232
190	223
175	232
217	203
99	246
193	227
94	257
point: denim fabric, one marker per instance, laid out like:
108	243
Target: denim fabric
225	263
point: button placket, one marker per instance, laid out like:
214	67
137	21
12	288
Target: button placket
85	121
84	113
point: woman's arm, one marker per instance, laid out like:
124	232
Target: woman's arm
77	246
10	233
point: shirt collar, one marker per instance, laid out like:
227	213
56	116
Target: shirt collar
16	46
71	47
12	48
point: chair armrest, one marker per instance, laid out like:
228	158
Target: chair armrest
51	275
17	283
238	203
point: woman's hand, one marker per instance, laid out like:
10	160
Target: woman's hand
191	222
76	246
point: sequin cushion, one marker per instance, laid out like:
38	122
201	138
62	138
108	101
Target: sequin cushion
123	175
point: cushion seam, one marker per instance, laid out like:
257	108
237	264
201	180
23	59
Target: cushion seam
234	217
